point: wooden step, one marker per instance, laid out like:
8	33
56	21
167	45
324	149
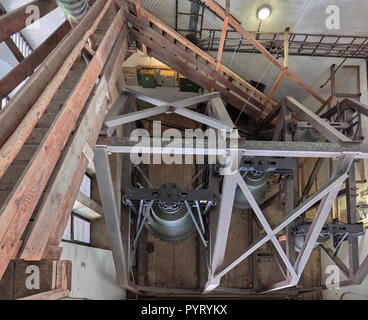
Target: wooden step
10	177
54	107
26	153
61	94
46	120
36	136
79	65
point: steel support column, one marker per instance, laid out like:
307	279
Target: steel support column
219	229
352	218
111	216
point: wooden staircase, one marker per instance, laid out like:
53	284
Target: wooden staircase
171	48
49	130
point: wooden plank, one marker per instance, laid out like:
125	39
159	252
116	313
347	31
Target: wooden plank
15	142
272	92
318	123
14	21
7	282
63	275
87	208
14	49
17	107
40	271
56	294
15	214
52	252
286	48
51	211
28	65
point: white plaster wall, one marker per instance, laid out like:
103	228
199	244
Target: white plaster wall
93	273
139	58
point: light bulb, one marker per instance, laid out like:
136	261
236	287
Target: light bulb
263	13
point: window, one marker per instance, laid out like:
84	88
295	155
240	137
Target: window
78	230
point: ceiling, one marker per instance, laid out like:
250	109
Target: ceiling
304	16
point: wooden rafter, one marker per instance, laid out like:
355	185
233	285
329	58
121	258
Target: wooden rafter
14	49
16	212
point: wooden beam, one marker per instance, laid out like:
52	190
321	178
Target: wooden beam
56	294
15	142
223	35
348	95
333	80
139	15
318	123
324	105
87	207
14	49
15	214
26	67
286	48
272	92
15	20
220	12
53	215
201	53
17	107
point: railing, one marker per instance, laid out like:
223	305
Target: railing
22	44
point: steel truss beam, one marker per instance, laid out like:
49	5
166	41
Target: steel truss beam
327	194
249	148
179	107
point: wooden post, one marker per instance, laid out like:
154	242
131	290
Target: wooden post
139	15
286	48
223	35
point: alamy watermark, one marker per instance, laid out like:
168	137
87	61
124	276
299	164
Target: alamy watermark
33	280
171	146
332	21
34	16
333	279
